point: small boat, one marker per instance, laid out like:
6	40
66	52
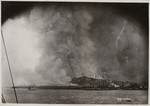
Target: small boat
31	88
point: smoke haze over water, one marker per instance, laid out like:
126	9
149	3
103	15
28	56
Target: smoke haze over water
54	43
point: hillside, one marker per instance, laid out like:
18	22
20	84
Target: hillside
106	84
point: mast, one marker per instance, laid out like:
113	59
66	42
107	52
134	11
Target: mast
9	67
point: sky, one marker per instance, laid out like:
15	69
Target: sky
49	44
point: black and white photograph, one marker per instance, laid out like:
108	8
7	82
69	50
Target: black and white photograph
74	52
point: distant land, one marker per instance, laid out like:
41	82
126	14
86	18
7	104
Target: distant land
86	83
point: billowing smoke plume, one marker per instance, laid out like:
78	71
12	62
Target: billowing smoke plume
54	43
67	51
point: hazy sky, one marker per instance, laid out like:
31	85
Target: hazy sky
53	43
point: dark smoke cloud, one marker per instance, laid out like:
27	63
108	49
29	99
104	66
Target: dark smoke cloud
129	58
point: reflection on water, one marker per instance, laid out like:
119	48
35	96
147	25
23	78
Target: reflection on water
77	96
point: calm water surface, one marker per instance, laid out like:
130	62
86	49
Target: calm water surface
49	96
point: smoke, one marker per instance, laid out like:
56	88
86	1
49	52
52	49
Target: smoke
63	49
67	51
128	60
21	43
54	43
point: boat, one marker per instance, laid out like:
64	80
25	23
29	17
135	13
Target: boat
31	88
